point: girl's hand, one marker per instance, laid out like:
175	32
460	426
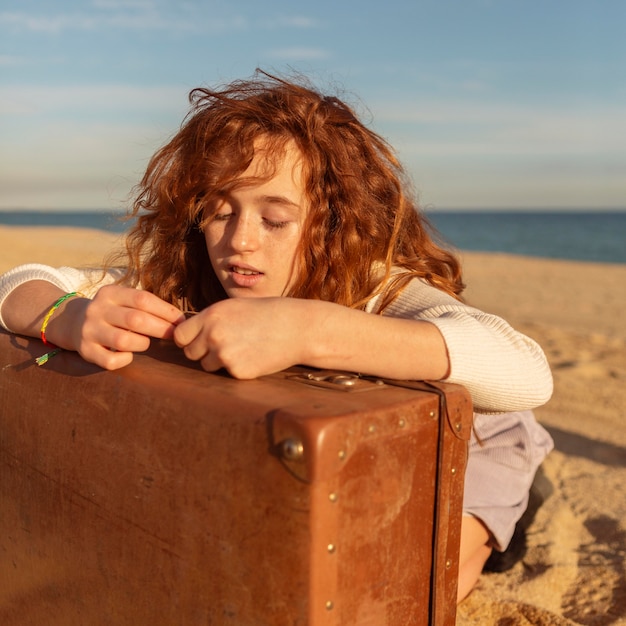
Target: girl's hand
250	337
116	323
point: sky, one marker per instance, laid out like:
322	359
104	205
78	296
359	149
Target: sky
490	104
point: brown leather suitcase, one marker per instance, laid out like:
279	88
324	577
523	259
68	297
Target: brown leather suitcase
161	494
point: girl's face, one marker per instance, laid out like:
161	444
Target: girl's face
255	230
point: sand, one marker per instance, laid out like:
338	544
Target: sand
575	568
574	571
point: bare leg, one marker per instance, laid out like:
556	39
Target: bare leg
475	550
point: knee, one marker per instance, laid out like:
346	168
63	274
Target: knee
474	552
470	570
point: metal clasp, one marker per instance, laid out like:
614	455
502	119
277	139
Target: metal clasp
341	381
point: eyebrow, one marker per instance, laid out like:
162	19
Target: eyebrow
282	200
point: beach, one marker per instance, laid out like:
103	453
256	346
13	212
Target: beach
574	571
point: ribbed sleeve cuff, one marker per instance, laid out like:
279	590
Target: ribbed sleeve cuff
65	278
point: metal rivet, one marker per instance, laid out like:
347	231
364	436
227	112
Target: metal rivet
458	426
453	470
292	449
331	547
448	564
433	414
402	423
329	605
342	454
333	497
371	428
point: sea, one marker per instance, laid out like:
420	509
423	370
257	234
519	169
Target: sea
597	236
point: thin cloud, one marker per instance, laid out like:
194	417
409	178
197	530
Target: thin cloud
7	60
138	15
50	24
124	4
473	128
23	100
290	21
145	20
299	54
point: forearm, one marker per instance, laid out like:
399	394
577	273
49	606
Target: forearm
502	369
66	279
348	339
24	308
106	329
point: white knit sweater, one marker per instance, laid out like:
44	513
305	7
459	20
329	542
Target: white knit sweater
502	369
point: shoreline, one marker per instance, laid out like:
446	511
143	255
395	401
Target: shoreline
573	569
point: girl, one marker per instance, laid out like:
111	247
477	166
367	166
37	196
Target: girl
289	228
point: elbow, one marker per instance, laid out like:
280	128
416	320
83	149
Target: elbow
549	390
541	386
529	393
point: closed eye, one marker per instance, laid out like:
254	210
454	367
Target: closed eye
220	217
274	225
268	223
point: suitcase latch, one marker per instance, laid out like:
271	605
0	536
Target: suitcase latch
341	381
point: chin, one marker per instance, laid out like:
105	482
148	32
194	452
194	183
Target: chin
242	292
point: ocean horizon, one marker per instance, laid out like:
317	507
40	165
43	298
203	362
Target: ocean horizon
596	236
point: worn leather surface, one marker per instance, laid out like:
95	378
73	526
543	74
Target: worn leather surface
161	494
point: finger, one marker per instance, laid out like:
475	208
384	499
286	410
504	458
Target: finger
141	322
186	332
115	308
148	302
105	358
110	337
211	362
127	341
197	350
194	338
141	301
241	370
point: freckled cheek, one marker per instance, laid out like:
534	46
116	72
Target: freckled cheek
290	262
213	238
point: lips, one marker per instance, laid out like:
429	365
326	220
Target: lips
243	276
244	271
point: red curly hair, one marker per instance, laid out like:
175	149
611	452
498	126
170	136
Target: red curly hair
361	218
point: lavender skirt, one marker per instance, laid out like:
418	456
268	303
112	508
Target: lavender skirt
504	454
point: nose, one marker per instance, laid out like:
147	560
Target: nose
244	236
